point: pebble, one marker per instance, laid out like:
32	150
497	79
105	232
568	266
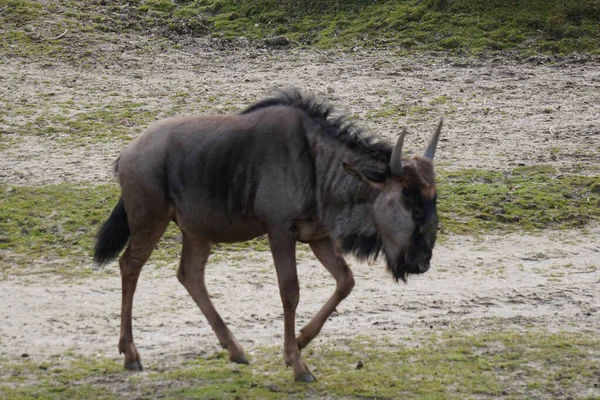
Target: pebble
277	41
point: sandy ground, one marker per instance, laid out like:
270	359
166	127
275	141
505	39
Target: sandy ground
500	113
493	282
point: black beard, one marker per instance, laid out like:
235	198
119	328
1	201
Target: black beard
364	247
397	267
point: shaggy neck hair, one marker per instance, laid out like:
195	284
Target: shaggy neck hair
340	128
344	203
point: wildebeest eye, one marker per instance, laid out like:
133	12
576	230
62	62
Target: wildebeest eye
410	198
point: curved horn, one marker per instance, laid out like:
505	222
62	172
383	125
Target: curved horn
396	160
430	152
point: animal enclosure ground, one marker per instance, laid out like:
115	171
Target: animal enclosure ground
500	314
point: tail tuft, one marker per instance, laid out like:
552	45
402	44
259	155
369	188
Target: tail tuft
112	236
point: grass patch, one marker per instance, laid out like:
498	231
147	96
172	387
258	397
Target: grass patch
450	365
562	26
20	11
98	123
62	376
77	117
32	28
51	229
396	111
7	142
529	198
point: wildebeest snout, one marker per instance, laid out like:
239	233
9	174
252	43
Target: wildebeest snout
422	267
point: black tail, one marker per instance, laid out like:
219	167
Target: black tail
112	236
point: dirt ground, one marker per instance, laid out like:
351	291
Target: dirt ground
499	113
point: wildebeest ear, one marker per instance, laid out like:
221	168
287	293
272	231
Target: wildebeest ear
370	176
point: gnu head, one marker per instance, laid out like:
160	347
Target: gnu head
405	210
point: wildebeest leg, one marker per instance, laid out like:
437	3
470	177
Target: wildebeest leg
138	251
283	247
328	254
191	275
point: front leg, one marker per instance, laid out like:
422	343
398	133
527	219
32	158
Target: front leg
329	255
283	247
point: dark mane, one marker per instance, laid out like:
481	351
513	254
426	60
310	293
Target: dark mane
364	247
339	128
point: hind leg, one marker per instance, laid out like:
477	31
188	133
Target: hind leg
140	246
191	275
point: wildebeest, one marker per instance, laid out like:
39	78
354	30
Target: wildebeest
282	167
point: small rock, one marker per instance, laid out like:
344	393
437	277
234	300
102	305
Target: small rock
469	80
330	90
277	41
274	388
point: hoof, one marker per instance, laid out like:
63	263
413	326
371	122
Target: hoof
134	366
240	359
306	377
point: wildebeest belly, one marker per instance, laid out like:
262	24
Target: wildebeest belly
217	224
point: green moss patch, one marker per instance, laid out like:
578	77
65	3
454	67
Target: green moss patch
431	25
75	121
51	230
530	198
451	365
79	118
20	11
105	123
562	26
59	377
